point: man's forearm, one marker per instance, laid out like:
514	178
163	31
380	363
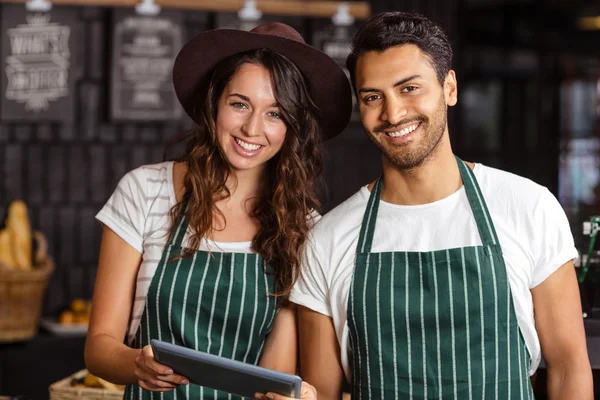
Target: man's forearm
570	382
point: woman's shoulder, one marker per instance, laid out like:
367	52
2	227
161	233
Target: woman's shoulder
159	171
149	182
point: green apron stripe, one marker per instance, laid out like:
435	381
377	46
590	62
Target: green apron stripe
496	354
356	312
523	361
364	294
200	292
451	292
379	327
437	326
467	325
187	286
214	301
256	266
156	322
230	286
529	387
170	317
508	319
408	335
266	311
239	324
423	344
392	292
520	370
259	353
354	338
481	322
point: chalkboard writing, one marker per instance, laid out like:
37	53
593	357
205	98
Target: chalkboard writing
37	57
144	49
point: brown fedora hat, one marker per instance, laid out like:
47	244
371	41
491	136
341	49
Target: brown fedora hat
328	84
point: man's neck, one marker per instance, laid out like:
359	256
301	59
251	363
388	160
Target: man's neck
437	178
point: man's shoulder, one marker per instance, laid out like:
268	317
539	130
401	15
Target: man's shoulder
346	214
512	196
506	184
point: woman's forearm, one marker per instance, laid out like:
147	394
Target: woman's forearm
110	359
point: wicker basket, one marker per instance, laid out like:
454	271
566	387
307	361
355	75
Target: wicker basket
63	390
21	296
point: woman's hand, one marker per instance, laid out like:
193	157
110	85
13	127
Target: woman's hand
307	392
154	376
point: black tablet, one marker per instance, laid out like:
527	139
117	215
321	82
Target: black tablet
224	374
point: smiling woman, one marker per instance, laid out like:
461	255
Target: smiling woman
250	127
202	252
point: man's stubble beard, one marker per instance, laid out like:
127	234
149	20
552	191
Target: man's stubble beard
403	159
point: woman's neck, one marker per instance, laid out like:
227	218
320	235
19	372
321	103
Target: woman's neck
245	185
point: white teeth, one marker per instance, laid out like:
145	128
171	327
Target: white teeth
403	132
247	146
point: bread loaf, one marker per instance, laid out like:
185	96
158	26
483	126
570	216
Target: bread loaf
17	223
6	254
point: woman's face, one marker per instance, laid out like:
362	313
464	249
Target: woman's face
249	127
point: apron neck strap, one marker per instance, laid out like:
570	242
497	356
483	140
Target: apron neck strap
181	223
367	230
483	219
480	211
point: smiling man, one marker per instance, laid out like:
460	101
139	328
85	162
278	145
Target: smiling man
424	283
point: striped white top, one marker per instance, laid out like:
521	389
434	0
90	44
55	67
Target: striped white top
138	212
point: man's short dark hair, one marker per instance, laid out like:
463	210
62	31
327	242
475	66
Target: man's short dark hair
392	29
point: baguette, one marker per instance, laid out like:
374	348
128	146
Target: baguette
17	224
6	254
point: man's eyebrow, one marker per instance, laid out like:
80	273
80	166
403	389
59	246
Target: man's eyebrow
400	82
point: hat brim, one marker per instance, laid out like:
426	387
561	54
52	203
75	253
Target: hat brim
328	84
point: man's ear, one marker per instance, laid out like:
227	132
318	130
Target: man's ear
451	88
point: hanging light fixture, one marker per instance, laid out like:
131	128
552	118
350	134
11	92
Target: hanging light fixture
249	12
147	8
38	5
343	17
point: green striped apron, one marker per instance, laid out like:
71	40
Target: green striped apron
213	302
435	325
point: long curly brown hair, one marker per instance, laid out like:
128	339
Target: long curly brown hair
286	209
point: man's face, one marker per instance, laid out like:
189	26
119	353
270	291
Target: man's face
402	104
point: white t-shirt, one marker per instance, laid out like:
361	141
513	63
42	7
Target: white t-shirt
138	212
532	228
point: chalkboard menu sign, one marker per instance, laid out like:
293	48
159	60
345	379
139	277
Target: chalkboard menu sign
143	51
336	42
39	55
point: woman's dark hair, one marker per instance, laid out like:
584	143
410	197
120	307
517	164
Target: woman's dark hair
285	209
391	29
